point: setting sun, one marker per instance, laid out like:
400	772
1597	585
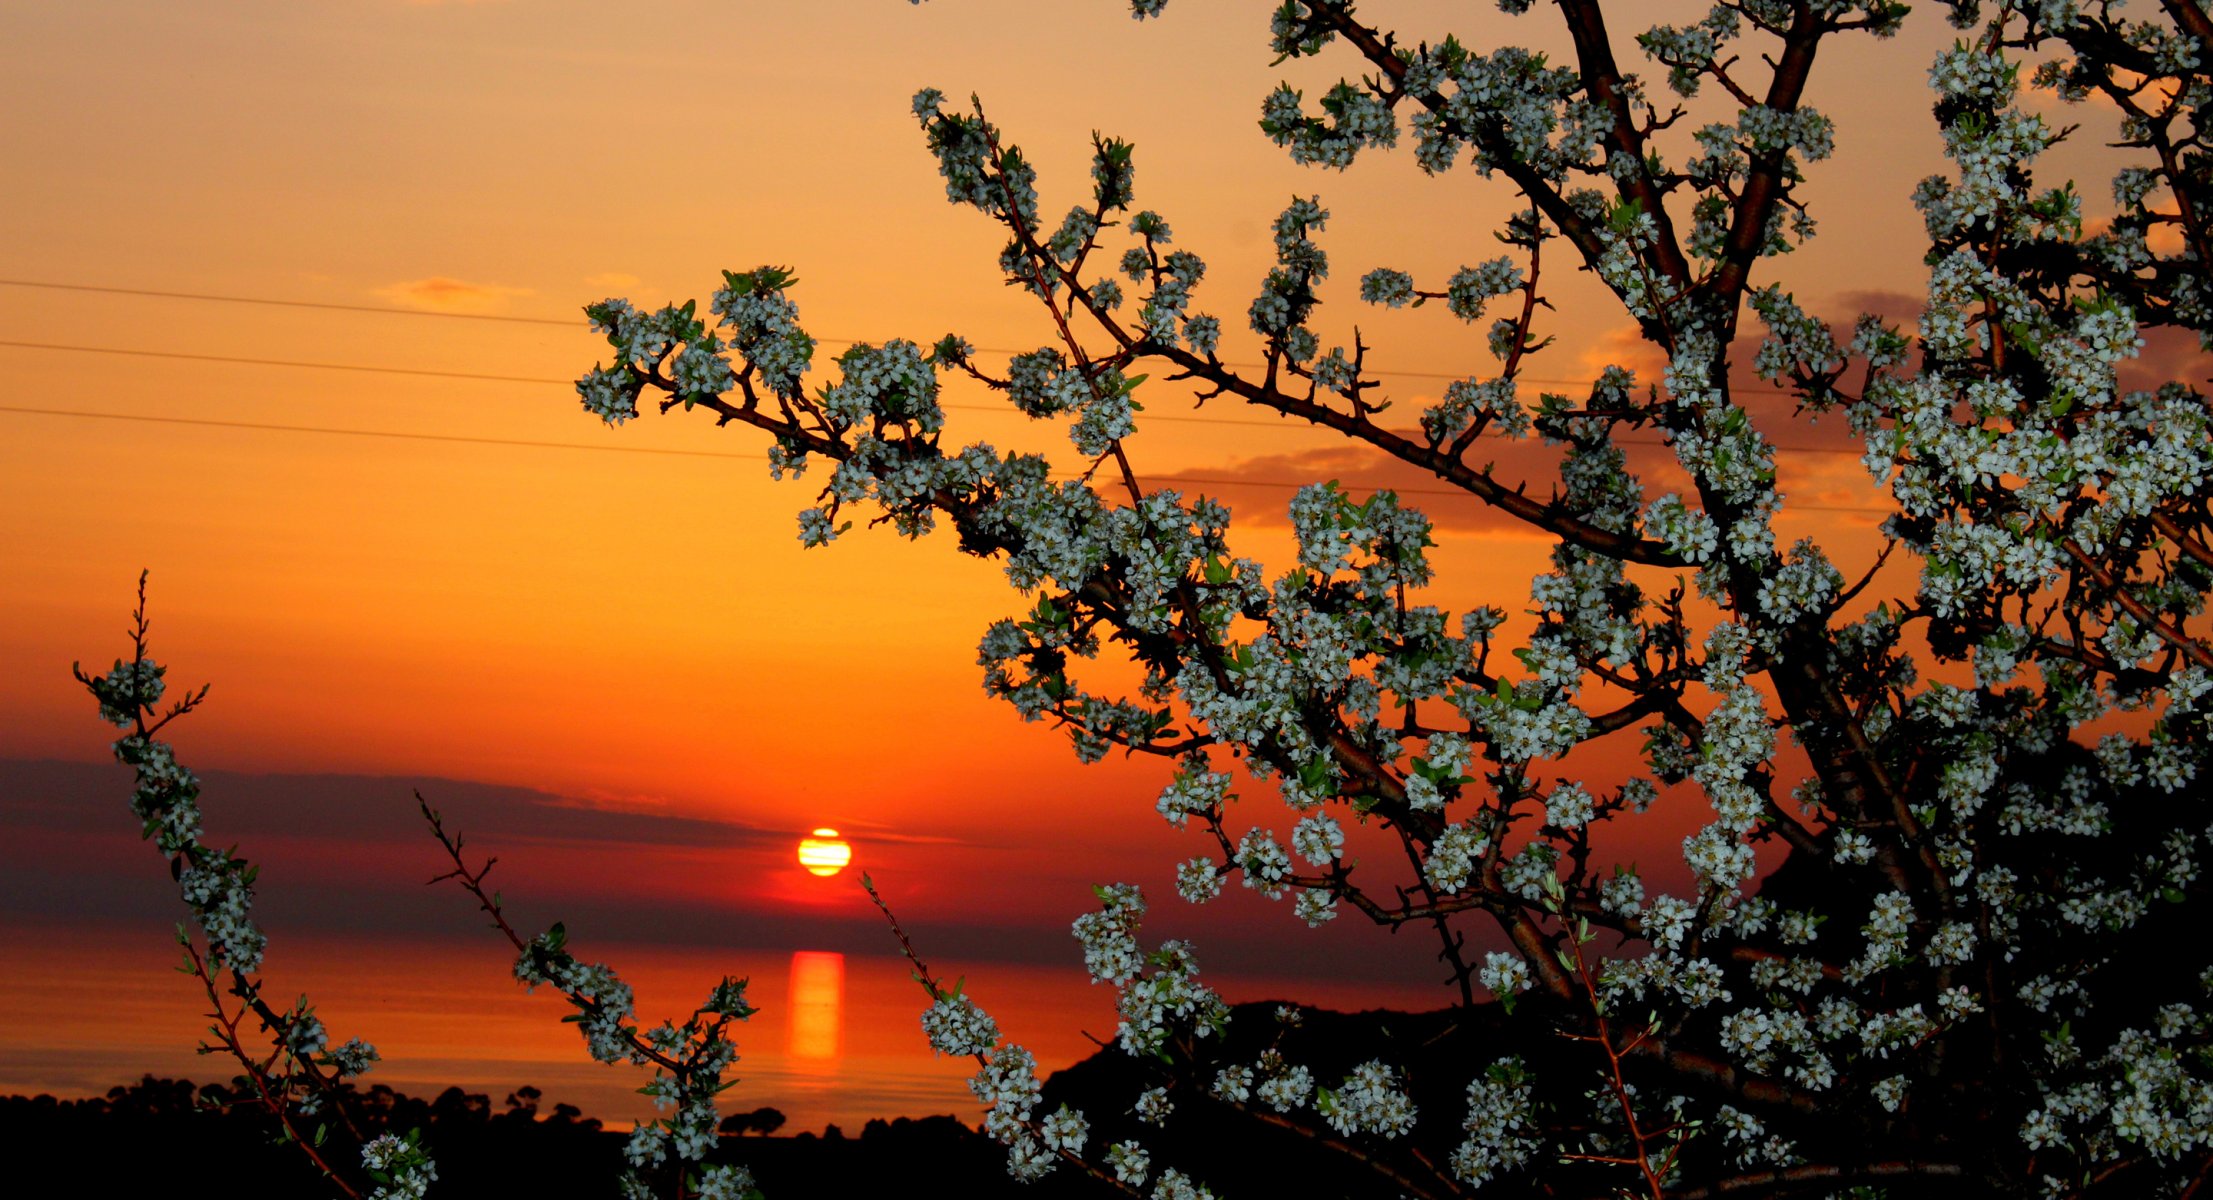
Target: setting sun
823	854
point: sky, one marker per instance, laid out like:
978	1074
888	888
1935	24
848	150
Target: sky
416	564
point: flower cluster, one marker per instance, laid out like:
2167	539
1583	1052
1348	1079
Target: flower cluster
688	1059
399	1167
1370	1100
955	1025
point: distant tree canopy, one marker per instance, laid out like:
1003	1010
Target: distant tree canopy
192	1140
165	1123
763	1120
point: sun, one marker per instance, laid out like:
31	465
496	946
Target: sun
822	853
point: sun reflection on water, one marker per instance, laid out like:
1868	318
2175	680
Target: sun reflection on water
817	1012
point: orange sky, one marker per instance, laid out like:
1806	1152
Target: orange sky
642	630
602	624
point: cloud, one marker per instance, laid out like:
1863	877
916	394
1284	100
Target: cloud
1625	347
1901	309
1817	454
2169	355
2165	240
349	854
441	294
2096	110
1259	489
75	798
1818	457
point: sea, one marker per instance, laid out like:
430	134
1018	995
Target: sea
837	1039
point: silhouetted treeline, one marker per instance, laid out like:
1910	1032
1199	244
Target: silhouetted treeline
214	1139
189	1140
173	1138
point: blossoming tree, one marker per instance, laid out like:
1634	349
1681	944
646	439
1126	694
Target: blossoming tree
1976	965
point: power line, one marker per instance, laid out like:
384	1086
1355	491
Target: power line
270	426
423	372
573	323
387	309
436	374
267	426
282	362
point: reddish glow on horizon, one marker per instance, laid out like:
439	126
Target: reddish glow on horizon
823	854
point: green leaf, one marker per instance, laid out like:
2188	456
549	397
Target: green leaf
1314	773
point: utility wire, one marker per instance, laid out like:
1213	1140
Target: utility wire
573	323
268	426
390	310
551	381
434	374
280	362
374	433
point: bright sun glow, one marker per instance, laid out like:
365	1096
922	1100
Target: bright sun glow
823	853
